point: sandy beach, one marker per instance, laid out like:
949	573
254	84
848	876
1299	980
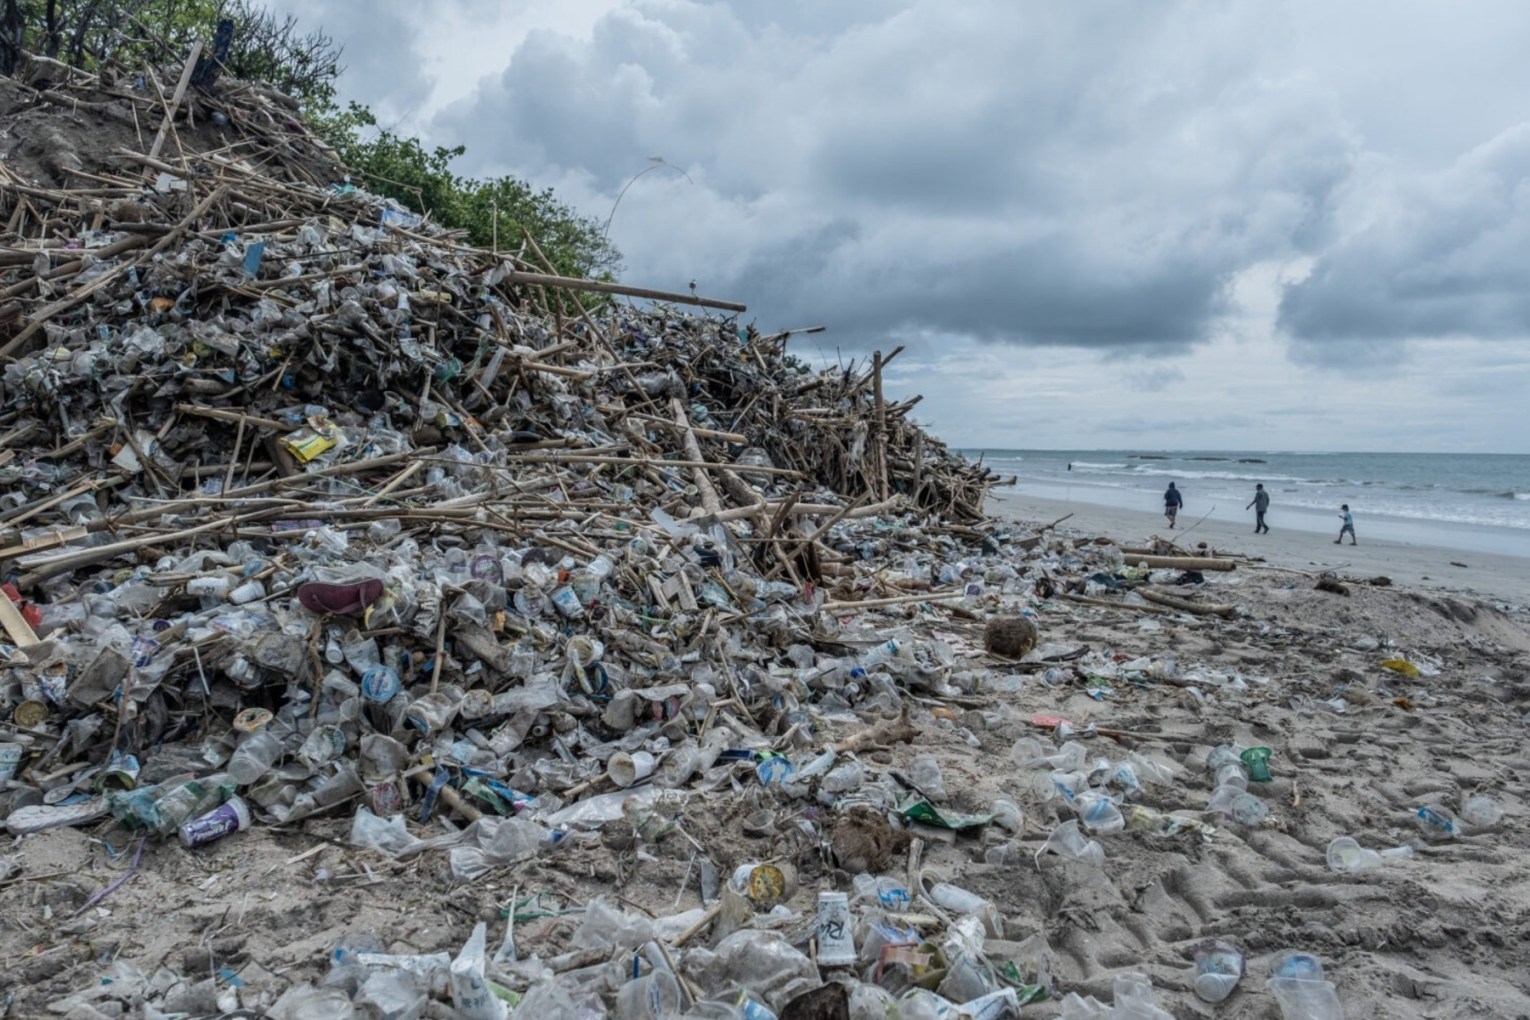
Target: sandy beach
1493	577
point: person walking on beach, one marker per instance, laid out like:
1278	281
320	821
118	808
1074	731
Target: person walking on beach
1348	527
1172	501
1260	503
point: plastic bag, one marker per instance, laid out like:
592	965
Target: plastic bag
470	990
389	835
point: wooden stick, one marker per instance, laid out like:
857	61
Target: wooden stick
398	479
813	509
175	99
1085	600
700	925
16	627
1181	562
435	669
574	458
1186	606
797	548
727	437
898	600
709	501
79	490
879	423
233	464
71	560
601	287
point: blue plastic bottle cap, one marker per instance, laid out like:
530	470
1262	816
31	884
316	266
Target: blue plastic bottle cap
380	684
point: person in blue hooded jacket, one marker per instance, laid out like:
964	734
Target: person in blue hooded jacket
1172	501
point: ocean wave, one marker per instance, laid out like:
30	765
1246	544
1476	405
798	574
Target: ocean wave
1097	466
1231	476
1516	495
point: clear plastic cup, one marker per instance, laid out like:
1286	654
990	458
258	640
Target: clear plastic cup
1346	855
1248	810
1030	752
1067	841
1481	811
1295	964
654	996
1099	813
1305	1000
1218	969
1007	814
254	756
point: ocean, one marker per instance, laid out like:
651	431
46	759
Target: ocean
1479	502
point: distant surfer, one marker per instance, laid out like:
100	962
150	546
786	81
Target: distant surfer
1070	465
1348	526
1260	503
1172	501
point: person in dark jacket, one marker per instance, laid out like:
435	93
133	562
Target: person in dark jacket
1172	501
1260	503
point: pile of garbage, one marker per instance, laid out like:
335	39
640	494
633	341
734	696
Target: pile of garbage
312	509
319	522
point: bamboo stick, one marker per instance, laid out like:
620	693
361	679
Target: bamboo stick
709	501
175	99
601	287
1181	562
1186	606
895	600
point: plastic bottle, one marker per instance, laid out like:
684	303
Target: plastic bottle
955	898
843	778
186	800
254	756
879	654
1437	822
247	592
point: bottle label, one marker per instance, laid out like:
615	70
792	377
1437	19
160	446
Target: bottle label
216	824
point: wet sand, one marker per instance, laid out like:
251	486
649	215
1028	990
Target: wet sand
1500	577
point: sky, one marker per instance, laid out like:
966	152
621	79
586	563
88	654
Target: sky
1258	224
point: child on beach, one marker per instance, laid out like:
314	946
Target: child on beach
1349	525
1172	501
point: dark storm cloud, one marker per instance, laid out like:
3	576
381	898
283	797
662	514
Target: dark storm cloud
1011	172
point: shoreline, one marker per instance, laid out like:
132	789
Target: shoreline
1406	531
1498	577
